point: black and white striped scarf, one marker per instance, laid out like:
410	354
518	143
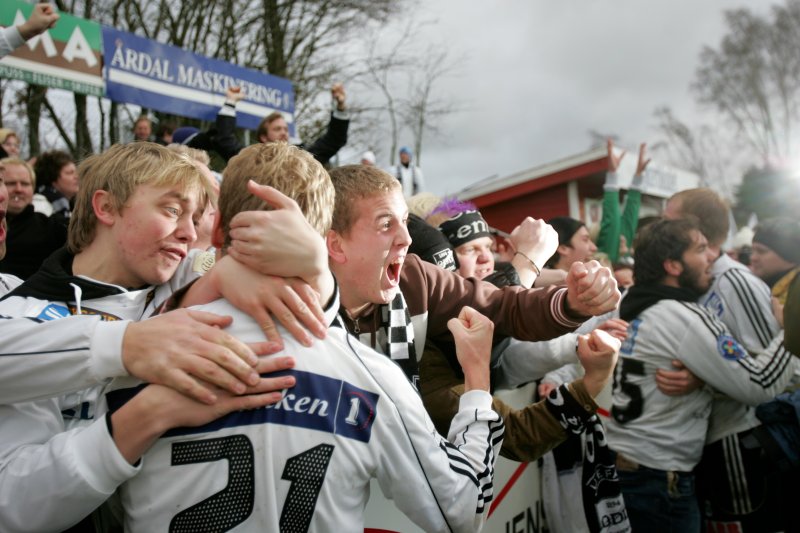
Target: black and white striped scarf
396	322
602	499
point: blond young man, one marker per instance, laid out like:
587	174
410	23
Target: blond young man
133	223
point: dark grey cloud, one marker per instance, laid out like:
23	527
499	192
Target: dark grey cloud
538	75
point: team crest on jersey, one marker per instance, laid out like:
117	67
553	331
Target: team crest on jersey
729	348
53	312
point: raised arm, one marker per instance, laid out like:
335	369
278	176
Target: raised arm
534	241
608	237
43	17
447	485
335	137
630	215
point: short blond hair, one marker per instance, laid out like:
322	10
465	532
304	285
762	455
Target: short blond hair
422	204
201	156
352	183
290	170
119	171
6	161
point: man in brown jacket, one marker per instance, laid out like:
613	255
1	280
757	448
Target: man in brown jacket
394	302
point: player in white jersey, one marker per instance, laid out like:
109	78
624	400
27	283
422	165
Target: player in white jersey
305	464
143	199
659	439
732	482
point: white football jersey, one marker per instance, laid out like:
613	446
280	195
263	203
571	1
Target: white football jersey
305	463
669	432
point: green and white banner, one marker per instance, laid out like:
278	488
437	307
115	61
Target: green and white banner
68	56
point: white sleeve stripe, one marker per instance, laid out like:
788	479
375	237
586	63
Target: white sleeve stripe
737	480
557	308
483	487
748	298
714	327
765	375
773	371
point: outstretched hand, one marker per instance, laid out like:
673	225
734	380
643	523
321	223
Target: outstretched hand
292	301
42	17
338	94
183	348
613	160
616	327
473	333
234	93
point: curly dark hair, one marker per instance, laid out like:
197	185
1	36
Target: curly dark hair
48	166
661	240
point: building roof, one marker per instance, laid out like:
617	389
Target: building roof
660	180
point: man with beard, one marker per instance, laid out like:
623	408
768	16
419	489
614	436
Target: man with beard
733	486
658	438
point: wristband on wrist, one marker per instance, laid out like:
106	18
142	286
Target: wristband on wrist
535	268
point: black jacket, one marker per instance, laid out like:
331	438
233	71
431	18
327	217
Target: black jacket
32	237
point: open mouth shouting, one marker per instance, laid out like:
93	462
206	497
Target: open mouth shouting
393	270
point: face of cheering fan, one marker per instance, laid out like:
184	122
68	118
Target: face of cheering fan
475	258
367	260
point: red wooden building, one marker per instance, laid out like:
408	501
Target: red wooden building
570	187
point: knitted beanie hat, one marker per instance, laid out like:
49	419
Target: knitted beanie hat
782	236
430	244
465	227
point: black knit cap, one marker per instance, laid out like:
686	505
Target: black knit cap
566	227
782	236
465	227
430	244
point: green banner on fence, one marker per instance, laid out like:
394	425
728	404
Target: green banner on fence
68	56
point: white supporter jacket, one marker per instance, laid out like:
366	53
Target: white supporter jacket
308	461
55	471
57	460
743	303
669	432
46	358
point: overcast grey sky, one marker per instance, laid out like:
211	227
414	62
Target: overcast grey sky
537	75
